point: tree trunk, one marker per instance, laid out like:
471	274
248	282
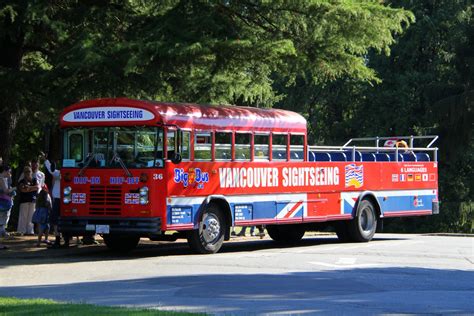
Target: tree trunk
7	129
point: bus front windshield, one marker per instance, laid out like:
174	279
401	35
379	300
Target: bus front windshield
136	147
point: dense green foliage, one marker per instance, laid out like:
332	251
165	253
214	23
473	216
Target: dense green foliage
427	88
59	52
349	66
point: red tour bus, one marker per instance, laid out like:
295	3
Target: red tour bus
163	171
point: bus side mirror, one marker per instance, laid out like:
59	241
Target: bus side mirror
176	158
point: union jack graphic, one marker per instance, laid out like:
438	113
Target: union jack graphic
354	176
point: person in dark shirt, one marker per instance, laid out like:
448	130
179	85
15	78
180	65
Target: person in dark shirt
28	188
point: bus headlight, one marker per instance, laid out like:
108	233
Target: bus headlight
67	195
143	195
67	191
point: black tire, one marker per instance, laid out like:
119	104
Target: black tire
286	233
362	228
342	231
209	237
121	243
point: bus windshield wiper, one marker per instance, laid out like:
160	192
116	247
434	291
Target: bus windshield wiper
90	157
117	158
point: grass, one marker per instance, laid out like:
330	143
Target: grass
15	306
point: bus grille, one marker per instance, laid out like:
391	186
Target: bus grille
105	200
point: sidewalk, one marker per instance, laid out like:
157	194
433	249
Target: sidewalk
25	247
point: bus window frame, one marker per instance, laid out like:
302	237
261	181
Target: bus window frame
268	134
250	146
298	146
231	145
287	145
211	134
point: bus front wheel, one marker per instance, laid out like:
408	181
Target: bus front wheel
209	237
121	243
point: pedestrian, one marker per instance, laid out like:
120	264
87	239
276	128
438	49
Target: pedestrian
56	196
28	188
41	215
6	198
37	173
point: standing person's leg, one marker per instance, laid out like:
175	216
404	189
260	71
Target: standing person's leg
242	232
7	220
4	215
53	220
30	211
40	234
23	219
252	231
46	233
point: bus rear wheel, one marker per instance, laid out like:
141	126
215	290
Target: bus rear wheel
209	237
121	243
286	233
362	228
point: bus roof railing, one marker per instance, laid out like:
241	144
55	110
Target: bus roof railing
376	149
410	138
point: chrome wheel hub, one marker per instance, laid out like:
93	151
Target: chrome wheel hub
211	228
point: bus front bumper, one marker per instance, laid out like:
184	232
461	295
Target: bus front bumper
99	225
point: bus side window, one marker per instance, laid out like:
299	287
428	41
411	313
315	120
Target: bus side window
185	145
223	147
279	146
202	146
242	146
261	147
296	147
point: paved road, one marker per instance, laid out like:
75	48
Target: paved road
391	274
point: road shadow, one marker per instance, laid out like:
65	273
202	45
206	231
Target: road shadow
392	290
22	253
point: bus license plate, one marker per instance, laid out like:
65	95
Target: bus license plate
102	229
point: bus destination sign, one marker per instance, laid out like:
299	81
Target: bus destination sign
104	114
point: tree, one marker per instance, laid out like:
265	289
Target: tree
197	51
426	88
